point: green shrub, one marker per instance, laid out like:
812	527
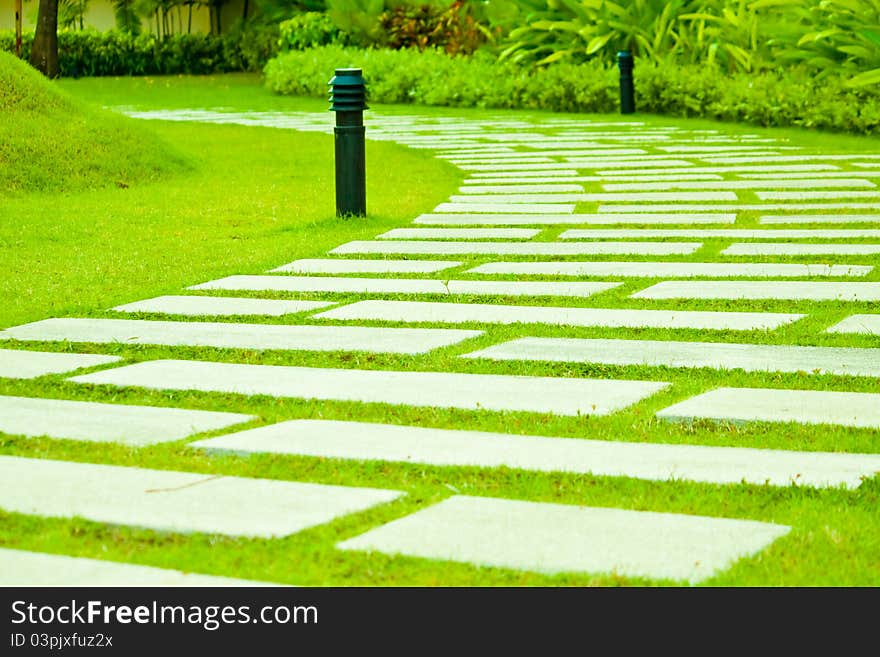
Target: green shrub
308	30
771	98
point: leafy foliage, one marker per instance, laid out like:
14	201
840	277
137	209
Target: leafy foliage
308	30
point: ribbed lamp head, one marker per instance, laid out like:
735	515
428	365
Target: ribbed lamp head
348	93
625	60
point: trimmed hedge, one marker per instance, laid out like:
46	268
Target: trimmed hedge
792	98
90	53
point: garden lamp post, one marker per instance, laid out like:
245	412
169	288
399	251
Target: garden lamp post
348	98
18	28
627	94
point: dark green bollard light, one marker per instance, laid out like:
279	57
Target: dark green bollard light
348	98
627	93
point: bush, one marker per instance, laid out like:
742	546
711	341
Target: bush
789	98
308	30
90	53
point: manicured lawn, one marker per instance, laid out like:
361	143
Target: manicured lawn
259	197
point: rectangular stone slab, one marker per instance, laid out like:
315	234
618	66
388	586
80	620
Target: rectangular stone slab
738	184
819	218
443	447
867	324
457	313
849	409
520	189
734	169
786	158
811	196
772	248
519	167
167	500
194	305
21	364
458	233
801	290
555	538
342	266
517	248
405	286
240	336
507	208
476	181
562	396
670	269
532	220
132	425
845	361
524	174
622	197
23	568
735	233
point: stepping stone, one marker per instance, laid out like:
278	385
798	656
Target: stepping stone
800	290
819	218
507	208
492	161
516	167
459	233
525	173
555	538
740	184
571	149
739	207
736	233
562	396
731	169
552	219
518	248
340	266
595	198
457	313
132	425
710	149
844	361
816	175
557	180
849	409
15	364
443	447
670	269
239	336
519	189
403	285
810	196
630	164
864	324
22	568
167	500
786	158
867	165
770	248
193	305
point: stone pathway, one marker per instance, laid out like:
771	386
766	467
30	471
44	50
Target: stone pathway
525	183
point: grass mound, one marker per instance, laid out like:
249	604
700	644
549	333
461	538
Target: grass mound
52	142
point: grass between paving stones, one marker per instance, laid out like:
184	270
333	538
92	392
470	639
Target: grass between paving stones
262	197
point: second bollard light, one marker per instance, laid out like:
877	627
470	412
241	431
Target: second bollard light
348	98
627	93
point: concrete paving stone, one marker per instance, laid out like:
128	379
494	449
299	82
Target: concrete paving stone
734	233
405	286
819	218
459	233
594	198
739	207
494	160
443	447
766	168
844	361
785	158
788	249
867	165
820	175
811	196
698	148
862	324
630	164
519	189
604	152
23	568
795	290
503	166
342	266
562	396
194	305
555	538
238	336
523	183
132	425
507	208
167	500
672	269
598	219
849	409
524	174
520	181
741	184
458	313
519	248
21	364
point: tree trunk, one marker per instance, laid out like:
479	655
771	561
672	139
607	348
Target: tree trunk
44	51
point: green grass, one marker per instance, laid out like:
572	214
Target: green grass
257	198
